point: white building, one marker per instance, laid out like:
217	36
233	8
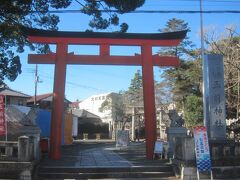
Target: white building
93	104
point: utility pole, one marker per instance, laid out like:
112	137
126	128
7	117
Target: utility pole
36	81
238	84
36	84
205	84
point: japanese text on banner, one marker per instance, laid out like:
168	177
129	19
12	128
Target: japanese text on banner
202	148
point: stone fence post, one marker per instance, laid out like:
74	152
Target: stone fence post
9	150
23	148
31	148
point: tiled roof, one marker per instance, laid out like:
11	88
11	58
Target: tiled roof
41	97
19	123
10	92
14	114
84	114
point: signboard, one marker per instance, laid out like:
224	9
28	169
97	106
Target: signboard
216	97
122	138
158	149
202	149
2	116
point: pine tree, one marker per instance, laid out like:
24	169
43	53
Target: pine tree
186	46
185	81
135	91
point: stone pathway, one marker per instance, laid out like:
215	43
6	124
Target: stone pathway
102	157
97	157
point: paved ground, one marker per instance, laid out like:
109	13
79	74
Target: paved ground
102	154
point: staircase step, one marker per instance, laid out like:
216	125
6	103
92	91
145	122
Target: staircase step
64	175
164	171
105	169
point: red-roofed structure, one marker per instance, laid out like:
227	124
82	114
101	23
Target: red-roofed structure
74	105
61	58
45	101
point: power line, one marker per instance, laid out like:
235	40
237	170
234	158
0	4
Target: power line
151	11
77	85
197	1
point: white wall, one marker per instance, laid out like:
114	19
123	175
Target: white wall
93	103
75	126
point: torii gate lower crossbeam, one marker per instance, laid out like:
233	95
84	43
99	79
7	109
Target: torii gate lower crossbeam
61	58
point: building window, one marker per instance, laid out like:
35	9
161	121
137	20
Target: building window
103	97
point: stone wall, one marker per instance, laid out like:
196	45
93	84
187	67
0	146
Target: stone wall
17	159
225	152
225	158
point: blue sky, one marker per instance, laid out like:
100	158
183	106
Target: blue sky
83	81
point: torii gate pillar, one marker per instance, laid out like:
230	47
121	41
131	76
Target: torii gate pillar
149	99
58	101
61	58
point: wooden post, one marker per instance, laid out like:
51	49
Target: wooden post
58	101
149	100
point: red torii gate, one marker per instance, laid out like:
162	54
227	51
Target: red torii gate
61	58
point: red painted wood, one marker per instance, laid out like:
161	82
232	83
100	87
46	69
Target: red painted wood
165	60
149	100
61	58
97	41
58	101
104	50
104	59
42	58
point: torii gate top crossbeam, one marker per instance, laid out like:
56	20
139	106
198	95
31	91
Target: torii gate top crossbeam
104	40
97	38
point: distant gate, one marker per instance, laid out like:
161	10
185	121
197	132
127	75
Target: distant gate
61	58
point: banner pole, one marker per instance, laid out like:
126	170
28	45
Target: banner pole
211	175
198	177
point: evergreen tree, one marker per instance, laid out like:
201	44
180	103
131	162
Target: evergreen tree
185	81
186	46
193	111
135	91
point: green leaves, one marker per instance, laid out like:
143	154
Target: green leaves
104	20
186	46
184	81
60	3
135	90
124	6
10	67
193	111
14	15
